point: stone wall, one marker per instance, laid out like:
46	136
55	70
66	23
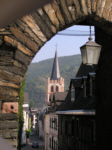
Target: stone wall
20	41
8	128
76	132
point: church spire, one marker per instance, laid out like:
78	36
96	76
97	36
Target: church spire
55	70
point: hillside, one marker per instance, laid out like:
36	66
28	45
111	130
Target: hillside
36	83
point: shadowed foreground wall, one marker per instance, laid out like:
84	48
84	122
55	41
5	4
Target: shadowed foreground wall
20	41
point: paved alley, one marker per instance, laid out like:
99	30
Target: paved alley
32	139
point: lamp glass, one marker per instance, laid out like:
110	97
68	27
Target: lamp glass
92	54
84	54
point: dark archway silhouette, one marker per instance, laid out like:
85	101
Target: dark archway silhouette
21	40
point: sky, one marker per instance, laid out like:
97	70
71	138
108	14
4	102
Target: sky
66	45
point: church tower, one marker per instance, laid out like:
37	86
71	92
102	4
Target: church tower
56	82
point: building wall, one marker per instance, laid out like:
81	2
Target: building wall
54	83
41	131
76	132
46	129
53	132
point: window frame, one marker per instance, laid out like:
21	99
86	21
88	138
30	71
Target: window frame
72	94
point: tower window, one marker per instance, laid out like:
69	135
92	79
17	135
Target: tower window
57	89
52	89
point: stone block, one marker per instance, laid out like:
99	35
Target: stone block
0	106
11	107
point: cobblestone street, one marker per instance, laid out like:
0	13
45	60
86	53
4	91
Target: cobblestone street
32	139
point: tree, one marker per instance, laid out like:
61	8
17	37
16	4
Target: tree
20	113
28	131
31	103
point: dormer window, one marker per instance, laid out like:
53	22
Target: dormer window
72	94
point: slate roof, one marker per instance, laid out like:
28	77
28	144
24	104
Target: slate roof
80	103
55	70
58	96
26	98
84	70
26	101
43	111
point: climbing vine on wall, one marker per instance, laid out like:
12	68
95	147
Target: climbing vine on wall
20	113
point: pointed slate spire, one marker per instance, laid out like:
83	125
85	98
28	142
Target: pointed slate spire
55	70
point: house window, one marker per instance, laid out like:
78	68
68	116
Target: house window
93	131
50	122
77	127
50	143
52	89
66	127
61	126
56	124
72	128
54	145
57	88
72	95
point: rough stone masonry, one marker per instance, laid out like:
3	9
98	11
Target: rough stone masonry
20	41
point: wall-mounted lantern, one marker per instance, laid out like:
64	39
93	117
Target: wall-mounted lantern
90	52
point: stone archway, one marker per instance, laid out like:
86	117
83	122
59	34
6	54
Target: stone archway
20	41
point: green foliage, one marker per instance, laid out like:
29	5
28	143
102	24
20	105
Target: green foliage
28	131
20	113
36	84
31	103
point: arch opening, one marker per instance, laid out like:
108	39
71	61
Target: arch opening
29	34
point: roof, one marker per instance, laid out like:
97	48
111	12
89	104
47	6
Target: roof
26	102
55	70
59	96
77	112
26	98
80	102
43	111
84	70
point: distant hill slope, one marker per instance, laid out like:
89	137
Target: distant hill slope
36	83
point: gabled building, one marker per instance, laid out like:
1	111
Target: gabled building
41	123
56	99
55	96
26	117
76	116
